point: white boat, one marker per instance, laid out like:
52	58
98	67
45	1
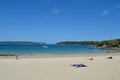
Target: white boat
44	46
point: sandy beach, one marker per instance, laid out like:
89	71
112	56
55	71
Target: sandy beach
59	68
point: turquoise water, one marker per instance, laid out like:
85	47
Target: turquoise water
37	49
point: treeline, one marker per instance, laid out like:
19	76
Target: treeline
78	43
20	42
111	44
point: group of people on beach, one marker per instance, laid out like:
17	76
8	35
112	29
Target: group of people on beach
110	57
88	59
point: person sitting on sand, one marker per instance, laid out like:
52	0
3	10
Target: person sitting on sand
109	57
90	59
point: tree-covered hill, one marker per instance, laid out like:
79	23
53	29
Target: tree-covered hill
106	44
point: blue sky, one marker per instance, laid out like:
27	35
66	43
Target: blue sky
52	21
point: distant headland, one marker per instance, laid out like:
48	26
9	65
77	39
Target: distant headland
105	44
20	42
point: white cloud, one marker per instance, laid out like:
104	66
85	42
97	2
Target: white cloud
117	6
55	11
46	1
105	12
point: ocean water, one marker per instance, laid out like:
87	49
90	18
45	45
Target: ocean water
37	49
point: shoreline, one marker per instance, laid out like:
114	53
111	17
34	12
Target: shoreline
60	56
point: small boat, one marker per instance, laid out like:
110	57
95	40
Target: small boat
44	46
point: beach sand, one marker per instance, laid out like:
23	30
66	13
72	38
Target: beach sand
59	68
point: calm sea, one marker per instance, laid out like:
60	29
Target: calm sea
37	49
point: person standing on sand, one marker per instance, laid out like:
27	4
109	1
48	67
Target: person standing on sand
16	57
